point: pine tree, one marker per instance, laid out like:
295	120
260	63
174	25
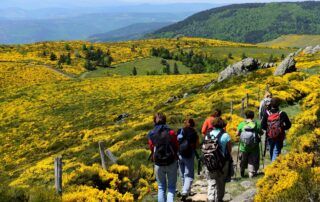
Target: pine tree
53	57
244	56
134	71
88	65
68	59
175	69
271	59
84	47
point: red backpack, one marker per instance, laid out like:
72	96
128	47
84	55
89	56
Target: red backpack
275	129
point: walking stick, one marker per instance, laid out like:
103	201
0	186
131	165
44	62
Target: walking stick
262	157
237	159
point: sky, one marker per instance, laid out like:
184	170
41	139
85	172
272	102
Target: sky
33	4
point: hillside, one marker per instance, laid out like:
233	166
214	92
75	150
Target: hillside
300	41
75	28
251	23
213	54
131	32
45	113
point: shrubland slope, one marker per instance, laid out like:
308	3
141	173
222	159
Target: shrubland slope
44	114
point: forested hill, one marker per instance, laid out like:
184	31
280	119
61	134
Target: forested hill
253	23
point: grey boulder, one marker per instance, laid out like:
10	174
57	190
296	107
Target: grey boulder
287	65
239	68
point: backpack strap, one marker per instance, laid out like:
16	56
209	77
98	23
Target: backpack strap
220	134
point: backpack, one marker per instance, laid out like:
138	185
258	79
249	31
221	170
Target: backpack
213	156
275	129
248	135
163	153
185	148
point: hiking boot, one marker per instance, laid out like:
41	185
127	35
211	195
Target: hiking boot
251	175
184	196
242	173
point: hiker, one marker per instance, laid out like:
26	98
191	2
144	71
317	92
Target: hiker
207	125
265	104
164	147
275	123
249	131
216	151
188	142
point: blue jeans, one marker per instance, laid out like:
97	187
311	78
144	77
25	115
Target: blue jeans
187	172
167	179
275	148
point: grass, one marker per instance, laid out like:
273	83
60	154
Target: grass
299	41
313	70
261	53
143	66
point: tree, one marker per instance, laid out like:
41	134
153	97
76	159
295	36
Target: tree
175	69
68	59
89	66
166	69
244	56
271	59
67	47
84	47
134	71
53	57
164	62
230	56
62	59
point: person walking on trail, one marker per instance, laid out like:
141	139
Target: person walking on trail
275	123
249	131
188	142
216	151
207	125
164	147
264	104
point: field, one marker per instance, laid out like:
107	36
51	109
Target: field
144	66
298	41
45	113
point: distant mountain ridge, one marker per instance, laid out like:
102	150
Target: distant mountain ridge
131	32
251	23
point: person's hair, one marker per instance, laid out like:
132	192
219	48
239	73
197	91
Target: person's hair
190	123
268	94
218	122
159	119
216	113
249	114
275	103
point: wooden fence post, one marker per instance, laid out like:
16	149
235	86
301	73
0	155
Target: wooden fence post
247	99
58	174
102	155
242	106
231	107
111	157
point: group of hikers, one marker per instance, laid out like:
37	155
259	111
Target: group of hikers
172	150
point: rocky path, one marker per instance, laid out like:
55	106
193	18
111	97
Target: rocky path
238	190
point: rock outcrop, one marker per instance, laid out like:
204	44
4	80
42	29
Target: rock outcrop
287	65
267	65
311	50
239	68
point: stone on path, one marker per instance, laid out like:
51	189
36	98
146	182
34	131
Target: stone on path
247	184
247	196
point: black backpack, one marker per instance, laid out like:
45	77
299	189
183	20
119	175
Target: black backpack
185	148
164	153
213	157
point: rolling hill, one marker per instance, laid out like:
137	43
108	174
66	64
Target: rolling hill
299	41
253	23
131	32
